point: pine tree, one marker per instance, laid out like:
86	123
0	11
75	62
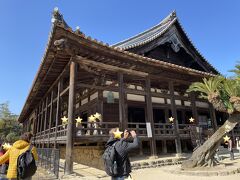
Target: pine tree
10	129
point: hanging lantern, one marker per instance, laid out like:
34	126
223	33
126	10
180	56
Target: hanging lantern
110	97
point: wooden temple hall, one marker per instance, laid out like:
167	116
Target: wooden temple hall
85	87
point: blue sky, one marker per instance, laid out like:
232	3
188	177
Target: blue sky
213	26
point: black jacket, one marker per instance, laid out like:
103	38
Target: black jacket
122	148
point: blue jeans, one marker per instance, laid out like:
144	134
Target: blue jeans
119	178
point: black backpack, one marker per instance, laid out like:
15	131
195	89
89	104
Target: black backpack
26	165
110	160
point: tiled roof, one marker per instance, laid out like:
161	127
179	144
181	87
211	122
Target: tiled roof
148	35
155	32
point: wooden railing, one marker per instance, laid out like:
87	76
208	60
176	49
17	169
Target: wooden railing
140	128
95	129
102	129
164	129
184	129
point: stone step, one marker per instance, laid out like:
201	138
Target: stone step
157	163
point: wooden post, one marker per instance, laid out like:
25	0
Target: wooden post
100	102
164	146
45	118
194	108
57	111
122	110
71	119
174	114
39	118
148	100
50	119
41	123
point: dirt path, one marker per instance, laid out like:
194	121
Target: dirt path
158	173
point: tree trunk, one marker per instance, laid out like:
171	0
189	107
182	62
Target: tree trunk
204	155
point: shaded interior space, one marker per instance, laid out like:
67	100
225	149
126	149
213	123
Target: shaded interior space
159	116
204	120
221	117
111	112
145	148
171	147
187	115
136	115
187	146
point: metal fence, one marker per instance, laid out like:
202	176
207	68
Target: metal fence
49	159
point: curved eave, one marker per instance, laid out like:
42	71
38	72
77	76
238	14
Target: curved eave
195	48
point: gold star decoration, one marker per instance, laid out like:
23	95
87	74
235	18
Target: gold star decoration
227	128
64	120
226	138
91	119
6	146
117	134
98	116
191	120
79	121
171	119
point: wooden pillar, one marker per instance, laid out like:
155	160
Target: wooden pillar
148	100
164	146
140	147
213	116
42	116
174	114
39	118
122	110
71	119
45	119
50	118
35	122
100	102
57	111
194	108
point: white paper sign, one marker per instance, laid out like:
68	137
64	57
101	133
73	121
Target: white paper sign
149	129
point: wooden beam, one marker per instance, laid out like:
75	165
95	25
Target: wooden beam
83	85
148	100
174	114
71	119
108	67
